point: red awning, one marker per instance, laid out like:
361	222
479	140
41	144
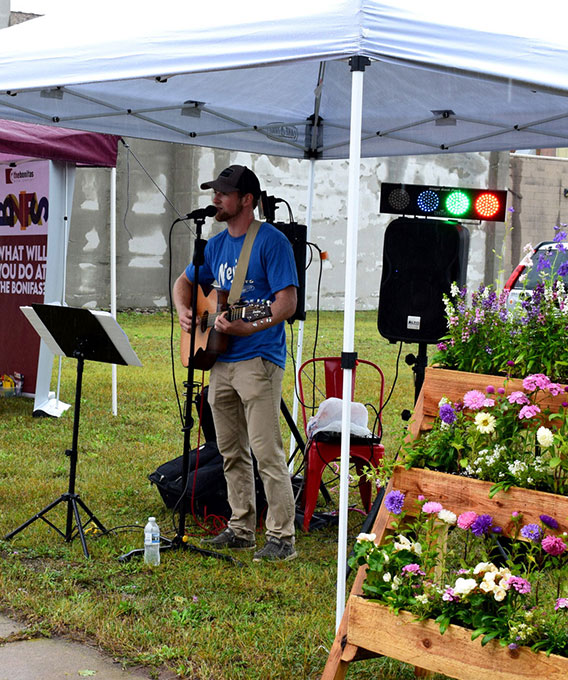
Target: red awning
58	144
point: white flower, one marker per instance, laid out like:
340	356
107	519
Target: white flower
499	594
443	400
483	567
423	599
544	437
417	548
447	516
402	543
387	577
464	586
454	289
366	537
485	422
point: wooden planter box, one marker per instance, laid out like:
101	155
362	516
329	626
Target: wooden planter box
373	627
442	382
369	629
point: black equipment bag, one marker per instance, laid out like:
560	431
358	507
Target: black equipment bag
206	485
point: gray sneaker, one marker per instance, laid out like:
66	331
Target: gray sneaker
228	539
276	550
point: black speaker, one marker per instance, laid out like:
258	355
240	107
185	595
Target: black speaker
297	235
421	259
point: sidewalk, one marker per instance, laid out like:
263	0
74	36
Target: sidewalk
55	659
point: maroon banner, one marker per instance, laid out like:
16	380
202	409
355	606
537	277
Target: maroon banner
24	212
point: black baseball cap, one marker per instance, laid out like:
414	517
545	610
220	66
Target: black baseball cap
235	178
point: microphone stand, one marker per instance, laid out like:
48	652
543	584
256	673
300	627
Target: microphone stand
179	541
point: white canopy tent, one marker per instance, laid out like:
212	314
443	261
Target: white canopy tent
324	79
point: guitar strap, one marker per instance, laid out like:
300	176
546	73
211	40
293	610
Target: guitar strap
242	264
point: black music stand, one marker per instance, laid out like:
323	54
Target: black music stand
80	334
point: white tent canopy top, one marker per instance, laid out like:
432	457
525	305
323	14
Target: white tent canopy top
248	76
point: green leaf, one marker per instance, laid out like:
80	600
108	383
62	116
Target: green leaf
477	633
489	637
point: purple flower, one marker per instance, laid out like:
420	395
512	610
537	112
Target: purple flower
521	585
413	569
513	645
490	389
529	411
537	381
451	596
532	532
447	414
548	521
394	502
553	545
518	397
481	525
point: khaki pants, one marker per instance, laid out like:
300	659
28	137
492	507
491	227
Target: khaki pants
245	402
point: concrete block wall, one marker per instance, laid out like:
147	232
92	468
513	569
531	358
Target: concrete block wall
158	181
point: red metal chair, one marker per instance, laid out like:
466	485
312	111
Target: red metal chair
325	376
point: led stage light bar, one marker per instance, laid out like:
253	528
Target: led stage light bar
453	202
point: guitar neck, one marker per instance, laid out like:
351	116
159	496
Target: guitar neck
232	314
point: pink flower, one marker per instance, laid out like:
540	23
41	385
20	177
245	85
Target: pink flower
521	585
501	390
432	508
561	603
529	411
537	381
555	389
553	545
466	519
412	569
474	399
518	397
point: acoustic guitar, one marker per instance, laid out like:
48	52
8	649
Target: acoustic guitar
209	344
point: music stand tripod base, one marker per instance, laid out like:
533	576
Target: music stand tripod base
83	335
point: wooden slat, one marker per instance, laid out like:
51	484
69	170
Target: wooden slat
459	494
374	627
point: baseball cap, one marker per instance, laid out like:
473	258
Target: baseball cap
235	178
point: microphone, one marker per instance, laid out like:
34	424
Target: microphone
201	213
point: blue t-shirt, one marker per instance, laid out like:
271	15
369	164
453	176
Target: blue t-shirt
271	268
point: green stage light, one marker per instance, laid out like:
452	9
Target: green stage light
457	203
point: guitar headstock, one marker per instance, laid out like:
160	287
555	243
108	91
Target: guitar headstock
257	310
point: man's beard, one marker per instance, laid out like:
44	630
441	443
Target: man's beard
224	215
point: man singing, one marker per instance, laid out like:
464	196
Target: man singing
246	380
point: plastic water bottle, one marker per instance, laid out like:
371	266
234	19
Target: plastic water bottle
152	543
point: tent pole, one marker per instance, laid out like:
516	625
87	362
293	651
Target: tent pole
300	344
349	322
113	275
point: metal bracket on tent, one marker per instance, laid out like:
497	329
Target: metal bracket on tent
348	360
359	63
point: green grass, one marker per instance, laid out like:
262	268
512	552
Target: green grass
200	617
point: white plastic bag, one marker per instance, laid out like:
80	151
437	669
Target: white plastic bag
328	418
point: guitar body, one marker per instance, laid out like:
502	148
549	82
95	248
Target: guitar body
208	343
